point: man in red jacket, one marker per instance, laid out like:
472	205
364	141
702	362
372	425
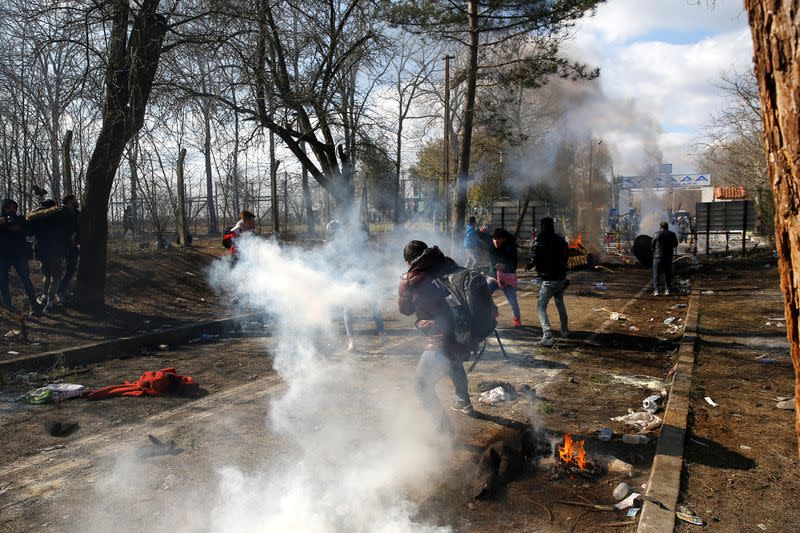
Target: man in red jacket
246	224
419	294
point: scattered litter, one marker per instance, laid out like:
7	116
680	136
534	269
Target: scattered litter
743	447
163	347
684	282
707	292
762	527
614	465
638	380
652	403
786	404
764	360
572	379
617	316
527	390
51	448
633	328
12	352
633	511
669	320
165	381
776	319
484	386
495	396
696	520
627	502
601	285
13	333
606	434
635	439
621	490
60	429
677	306
157	448
698	442
204	337
640	420
710	402
54	392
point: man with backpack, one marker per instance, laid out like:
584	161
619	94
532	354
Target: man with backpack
52	227
549	256
434	290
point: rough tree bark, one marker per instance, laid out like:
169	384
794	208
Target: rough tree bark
462	180
775	26
132	64
183	232
66	161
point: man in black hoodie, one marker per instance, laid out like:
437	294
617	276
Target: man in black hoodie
72	216
664	244
14	253
52	227
549	256
420	294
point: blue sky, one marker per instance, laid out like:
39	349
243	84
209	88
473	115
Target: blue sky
664	57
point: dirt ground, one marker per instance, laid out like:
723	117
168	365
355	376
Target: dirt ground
580	384
741	470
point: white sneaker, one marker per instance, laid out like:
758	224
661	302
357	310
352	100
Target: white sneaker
547	342
41	300
666	292
351	345
656	293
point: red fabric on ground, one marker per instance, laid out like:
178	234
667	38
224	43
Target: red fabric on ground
158	383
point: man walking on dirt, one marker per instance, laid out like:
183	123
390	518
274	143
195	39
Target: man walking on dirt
14	253
70	206
419	294
52	227
549	256
664	244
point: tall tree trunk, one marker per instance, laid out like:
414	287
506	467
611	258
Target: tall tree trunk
66	161
131	67
133	164
273	185
307	200
775	26
55	155
397	216
235	173
183	232
213	226
462	180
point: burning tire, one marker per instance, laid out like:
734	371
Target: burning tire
642	249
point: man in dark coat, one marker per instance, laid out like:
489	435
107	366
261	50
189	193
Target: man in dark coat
503	269
664	244
72	214
14	253
51	226
549	256
419	294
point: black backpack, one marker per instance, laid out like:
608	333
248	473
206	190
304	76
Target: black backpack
474	312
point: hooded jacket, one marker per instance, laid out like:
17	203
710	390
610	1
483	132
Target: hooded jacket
664	244
549	255
52	227
505	257
418	294
13	243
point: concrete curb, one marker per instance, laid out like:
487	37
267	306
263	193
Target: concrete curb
121	346
665	475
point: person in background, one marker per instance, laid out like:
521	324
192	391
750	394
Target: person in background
52	227
549	256
70	205
14	252
245	224
683	229
472	244
664	244
342	253
127	221
503	269
420	295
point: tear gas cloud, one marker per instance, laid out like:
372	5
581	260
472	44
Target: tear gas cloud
354	446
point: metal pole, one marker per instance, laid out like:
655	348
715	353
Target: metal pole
744	229
446	177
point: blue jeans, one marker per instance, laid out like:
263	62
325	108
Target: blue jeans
376	315
555	290
664	267
510	292
433	366
20	264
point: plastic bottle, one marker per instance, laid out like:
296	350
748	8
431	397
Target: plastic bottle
635	439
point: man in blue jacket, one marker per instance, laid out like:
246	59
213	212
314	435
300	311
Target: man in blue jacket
472	243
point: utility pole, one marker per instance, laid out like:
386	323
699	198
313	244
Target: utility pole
446	180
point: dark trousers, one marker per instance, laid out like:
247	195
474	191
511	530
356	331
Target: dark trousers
20	264
70	267
662	267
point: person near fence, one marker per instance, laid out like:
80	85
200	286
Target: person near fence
245	224
51	226
127	221
72	213
503	269
15	252
664	244
549	256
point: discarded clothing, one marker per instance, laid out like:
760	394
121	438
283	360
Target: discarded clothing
643	421
497	395
484	386
52	393
159	383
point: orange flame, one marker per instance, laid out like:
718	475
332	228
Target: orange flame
572	452
577	242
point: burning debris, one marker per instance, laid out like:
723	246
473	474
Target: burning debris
577	255
571	460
